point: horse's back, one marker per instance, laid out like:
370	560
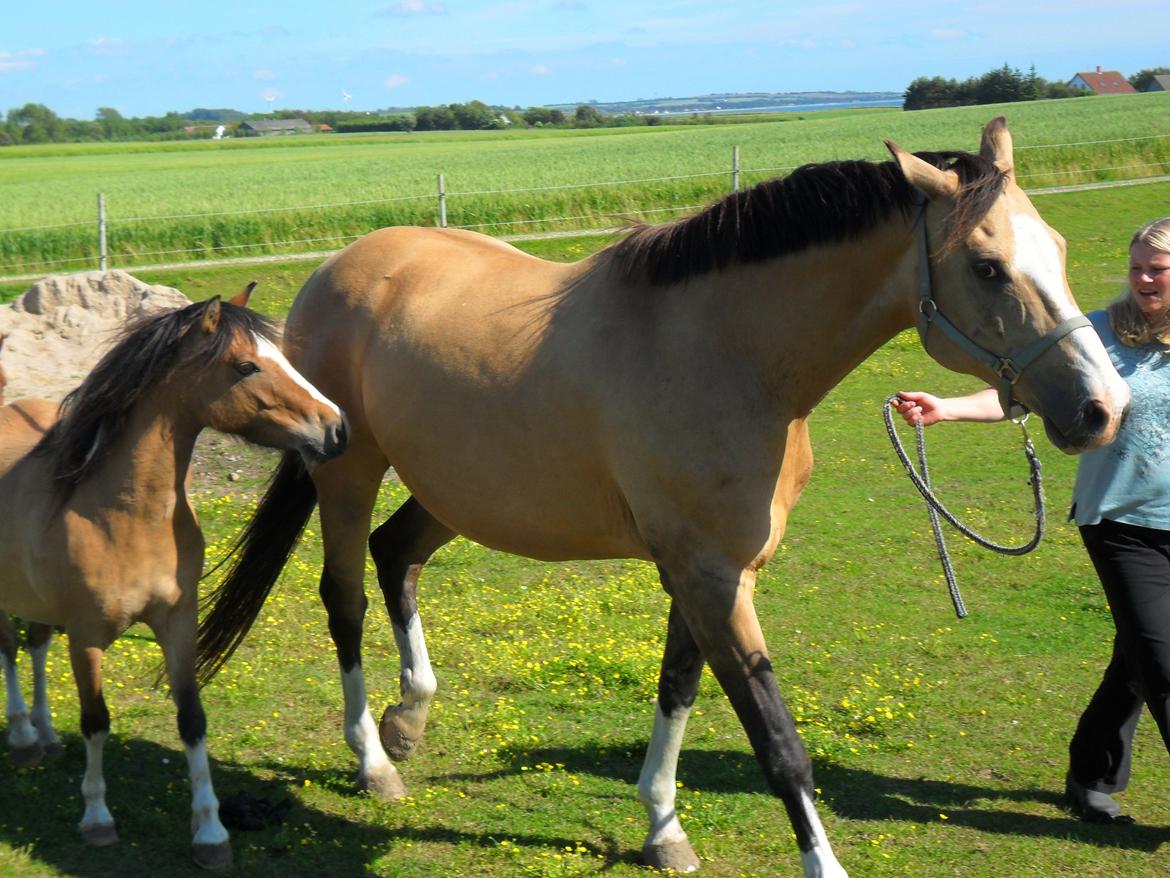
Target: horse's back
22	424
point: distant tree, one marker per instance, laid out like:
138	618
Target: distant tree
543	116
434	119
1142	79
474	116
587	116
1005	85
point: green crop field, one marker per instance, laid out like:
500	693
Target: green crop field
938	745
185	201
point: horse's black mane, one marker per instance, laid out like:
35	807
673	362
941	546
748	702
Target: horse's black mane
815	204
94	415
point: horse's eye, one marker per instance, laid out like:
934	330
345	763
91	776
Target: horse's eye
247	368
986	270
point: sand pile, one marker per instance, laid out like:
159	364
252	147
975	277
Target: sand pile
59	328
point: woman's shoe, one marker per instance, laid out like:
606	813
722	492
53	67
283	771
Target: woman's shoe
1092	806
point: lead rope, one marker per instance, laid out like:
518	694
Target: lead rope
921	480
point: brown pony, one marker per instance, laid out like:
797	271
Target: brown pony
99	533
651	402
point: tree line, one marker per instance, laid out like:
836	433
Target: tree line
36	123
1001	86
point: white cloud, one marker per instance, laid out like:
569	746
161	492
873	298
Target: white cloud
395	80
540	70
415	7
26	59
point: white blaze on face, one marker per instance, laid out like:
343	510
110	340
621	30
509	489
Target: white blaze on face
1038	259
269	351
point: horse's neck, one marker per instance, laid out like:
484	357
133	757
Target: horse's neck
146	470
808	319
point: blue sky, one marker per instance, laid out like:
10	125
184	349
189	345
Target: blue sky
147	58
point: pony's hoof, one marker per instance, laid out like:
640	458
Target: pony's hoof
385	785
675	855
212	856
99	835
27	757
400	732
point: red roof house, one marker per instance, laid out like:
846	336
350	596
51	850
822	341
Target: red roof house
1102	82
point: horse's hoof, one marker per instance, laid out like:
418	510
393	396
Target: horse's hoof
400	731
676	855
99	835
385	785
27	757
212	856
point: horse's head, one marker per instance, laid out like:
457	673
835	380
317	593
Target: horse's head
245	386
994	300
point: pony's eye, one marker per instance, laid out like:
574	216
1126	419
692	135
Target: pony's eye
986	270
247	368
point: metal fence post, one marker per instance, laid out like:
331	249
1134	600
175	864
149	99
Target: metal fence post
442	203
735	169
102	255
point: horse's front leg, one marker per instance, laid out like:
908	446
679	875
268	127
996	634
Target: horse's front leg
40	638
400	547
210	846
97	823
24	745
346	491
719	612
666	845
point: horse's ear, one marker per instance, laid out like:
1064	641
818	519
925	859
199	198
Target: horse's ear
934	182
241	298
996	145
210	315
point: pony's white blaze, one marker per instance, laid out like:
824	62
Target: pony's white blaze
1038	258
269	351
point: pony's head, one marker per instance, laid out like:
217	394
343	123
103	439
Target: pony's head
994	298
211	364
232	376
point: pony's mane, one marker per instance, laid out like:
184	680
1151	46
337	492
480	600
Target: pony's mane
94	416
816	204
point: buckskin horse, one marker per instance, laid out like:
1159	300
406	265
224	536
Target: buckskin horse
99	532
650	401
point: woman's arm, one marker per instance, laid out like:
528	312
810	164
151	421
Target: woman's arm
982	406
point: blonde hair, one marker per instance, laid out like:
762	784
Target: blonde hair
1129	324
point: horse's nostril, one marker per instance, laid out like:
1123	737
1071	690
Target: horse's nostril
1096	416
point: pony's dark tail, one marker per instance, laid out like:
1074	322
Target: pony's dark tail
255	562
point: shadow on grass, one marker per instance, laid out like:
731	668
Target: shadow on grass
857	794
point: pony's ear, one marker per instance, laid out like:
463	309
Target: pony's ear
933	182
241	298
996	146
210	315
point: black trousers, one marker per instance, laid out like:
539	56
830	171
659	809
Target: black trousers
1133	564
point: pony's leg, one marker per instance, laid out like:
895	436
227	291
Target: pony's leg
346	491
24	746
666	845
40	638
400	547
718	609
210	846
97	824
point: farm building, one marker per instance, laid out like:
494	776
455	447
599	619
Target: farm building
1161	82
254	127
1102	82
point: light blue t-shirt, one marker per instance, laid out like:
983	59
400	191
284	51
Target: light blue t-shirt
1128	481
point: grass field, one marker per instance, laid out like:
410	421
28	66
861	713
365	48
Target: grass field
939	745
196	200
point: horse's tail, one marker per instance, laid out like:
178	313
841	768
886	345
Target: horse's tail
256	560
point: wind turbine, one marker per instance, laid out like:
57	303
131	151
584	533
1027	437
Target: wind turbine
345	97
270	98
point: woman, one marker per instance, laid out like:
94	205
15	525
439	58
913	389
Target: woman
1121	504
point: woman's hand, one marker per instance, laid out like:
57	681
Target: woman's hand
916	406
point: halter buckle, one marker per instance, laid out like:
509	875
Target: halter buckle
1007	370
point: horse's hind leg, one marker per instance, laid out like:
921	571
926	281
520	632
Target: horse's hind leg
346	491
718	609
40	638
400	547
666	845
97	824
24	745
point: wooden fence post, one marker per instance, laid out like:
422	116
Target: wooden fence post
735	169
102	254
442	203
